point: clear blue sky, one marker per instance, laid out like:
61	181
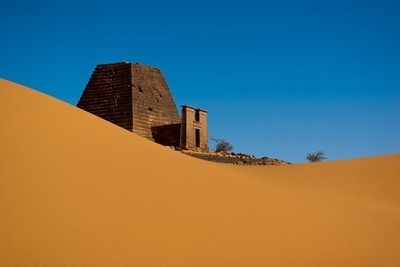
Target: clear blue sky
279	78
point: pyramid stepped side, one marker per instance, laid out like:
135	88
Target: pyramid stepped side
153	104
108	94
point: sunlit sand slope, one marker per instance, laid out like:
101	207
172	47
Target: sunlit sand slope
78	191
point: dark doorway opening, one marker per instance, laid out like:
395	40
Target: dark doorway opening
197	137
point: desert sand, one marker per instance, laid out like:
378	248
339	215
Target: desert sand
76	190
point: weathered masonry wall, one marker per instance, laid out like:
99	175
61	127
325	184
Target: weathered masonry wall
108	94
153	105
167	135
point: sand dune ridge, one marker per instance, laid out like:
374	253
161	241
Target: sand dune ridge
76	190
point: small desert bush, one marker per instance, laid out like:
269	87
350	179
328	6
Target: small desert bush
221	145
316	156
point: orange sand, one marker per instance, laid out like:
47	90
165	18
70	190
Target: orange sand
78	191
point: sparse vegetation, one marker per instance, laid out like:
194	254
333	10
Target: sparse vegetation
221	145
316	156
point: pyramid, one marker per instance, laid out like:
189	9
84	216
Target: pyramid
136	97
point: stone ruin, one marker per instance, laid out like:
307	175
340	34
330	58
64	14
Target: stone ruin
136	97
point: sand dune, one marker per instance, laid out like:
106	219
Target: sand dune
78	191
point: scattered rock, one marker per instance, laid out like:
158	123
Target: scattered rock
234	158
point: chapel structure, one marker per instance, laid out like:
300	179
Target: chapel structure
136	97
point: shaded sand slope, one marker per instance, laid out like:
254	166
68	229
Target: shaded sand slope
78	191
